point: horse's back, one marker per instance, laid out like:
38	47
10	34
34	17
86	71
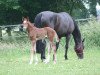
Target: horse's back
48	18
43	18
66	24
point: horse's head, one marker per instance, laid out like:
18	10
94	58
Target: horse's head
79	49
25	22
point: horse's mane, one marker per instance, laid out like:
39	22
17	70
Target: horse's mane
76	33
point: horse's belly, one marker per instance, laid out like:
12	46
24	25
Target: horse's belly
64	30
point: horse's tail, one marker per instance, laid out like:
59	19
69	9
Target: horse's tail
37	20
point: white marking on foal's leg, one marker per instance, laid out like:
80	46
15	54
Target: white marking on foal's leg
48	57
31	58
36	59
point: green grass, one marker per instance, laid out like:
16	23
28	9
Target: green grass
14	60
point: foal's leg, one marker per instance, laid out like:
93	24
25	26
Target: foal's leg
67	44
33	51
57	45
36	59
31	58
54	52
49	51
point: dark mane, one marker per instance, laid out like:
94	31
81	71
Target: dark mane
76	34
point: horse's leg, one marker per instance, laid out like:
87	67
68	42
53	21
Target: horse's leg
40	48
49	51
57	45
67	45
43	44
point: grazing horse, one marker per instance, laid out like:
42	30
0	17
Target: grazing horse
35	34
64	25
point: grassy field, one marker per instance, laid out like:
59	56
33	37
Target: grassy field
14	60
14	57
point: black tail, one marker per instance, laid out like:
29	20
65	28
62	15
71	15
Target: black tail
37	20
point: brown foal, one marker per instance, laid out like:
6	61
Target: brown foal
35	34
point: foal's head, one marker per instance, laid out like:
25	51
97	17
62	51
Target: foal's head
25	22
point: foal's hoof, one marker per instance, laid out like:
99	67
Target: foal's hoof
54	62
36	63
46	61
30	63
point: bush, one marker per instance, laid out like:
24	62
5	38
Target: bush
91	32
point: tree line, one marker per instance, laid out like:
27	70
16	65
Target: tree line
11	11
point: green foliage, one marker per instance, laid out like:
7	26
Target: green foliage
11	11
91	32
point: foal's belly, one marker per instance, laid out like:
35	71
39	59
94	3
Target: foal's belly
40	37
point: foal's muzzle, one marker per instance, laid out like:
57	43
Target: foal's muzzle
24	28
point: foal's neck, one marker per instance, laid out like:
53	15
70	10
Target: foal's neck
30	26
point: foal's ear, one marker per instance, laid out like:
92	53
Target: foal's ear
83	40
27	18
22	18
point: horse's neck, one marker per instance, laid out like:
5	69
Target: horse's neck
30	27
77	40
77	35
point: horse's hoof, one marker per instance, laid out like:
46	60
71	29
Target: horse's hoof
66	58
80	57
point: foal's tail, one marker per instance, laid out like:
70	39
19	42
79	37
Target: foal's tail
56	37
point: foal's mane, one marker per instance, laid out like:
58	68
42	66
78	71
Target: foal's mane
31	24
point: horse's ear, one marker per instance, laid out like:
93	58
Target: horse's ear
83	40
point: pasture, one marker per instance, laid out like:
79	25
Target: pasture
14	56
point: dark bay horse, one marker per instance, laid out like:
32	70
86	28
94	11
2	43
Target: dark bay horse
35	34
64	25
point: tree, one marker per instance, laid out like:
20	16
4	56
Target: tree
92	4
9	13
0	33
